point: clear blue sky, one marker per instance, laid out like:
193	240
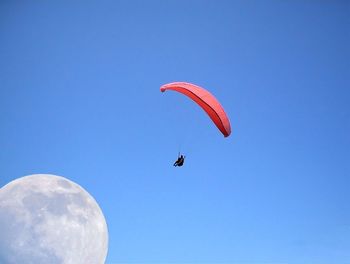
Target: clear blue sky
79	97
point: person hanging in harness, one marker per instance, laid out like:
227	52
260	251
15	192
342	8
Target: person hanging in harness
180	161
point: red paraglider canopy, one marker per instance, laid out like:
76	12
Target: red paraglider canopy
205	100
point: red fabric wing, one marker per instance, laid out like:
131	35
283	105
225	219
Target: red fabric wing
205	100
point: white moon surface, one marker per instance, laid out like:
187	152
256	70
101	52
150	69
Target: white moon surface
47	219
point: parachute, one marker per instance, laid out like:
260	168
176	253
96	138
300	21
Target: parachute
206	101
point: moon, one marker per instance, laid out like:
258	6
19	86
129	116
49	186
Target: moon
49	219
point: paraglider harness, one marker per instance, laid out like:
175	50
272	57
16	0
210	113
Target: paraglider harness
180	161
